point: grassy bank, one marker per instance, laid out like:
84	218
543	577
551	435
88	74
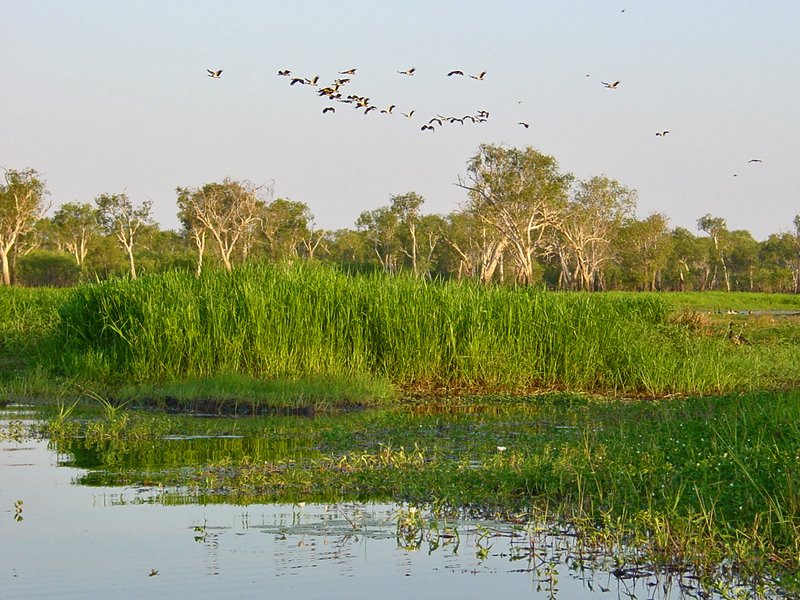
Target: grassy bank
304	323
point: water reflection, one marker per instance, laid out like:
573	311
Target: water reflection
76	541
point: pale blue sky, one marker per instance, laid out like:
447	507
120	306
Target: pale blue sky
102	97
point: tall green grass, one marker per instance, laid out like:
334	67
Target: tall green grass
304	320
26	317
723	301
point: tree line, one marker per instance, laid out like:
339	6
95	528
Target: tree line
524	222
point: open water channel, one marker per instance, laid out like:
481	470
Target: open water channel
62	538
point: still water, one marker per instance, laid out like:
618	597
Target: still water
59	538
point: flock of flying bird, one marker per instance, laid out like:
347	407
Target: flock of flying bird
332	92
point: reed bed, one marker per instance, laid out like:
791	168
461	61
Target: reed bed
310	321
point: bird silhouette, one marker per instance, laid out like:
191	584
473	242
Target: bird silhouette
328	109
369	108
284	73
479	76
214	74
755	160
409	114
451	73
436	120
348	72
662	133
313	80
297	80
427	128
408	71
525	125
611	86
388	110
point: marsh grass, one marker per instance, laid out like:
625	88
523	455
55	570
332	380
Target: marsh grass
26	317
719	301
315	323
229	392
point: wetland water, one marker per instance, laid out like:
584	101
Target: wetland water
61	537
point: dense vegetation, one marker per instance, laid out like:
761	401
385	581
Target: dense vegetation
299	322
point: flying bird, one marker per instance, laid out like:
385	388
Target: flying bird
409	114
611	86
348	72
313	80
435	120
755	160
388	110
369	108
479	76
525	125
297	80
214	74
408	71
427	128
662	133
451	73
328	109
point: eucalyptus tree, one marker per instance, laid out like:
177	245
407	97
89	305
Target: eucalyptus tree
742	259
644	248
394	231
194	230
380	227
520	194
347	247
476	249
22	196
121	218
779	264
286	229
228	211
429	256
594	216
407	209
689	256
717	230
74	226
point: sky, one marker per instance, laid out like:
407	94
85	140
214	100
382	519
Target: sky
112	96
